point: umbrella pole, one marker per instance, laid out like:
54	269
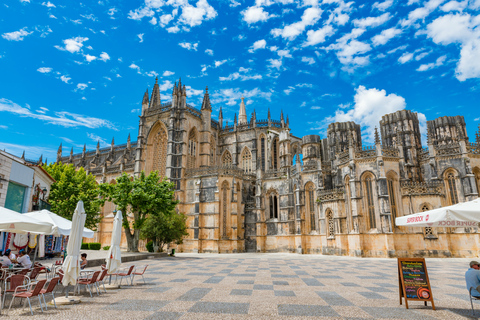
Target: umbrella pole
66	290
35	255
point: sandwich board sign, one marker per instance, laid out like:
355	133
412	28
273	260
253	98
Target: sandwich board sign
413	281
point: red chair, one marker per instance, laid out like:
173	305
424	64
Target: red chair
101	279
88	282
15	280
140	273
125	274
29	294
24	271
34	273
51	286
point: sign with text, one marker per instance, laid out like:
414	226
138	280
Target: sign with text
413	281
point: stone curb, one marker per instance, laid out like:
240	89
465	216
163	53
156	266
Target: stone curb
129	258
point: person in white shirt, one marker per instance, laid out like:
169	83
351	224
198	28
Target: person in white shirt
24	259
4	260
11	255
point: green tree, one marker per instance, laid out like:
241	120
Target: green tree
165	228
142	196
71	186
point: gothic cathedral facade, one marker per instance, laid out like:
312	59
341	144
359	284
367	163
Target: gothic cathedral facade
252	186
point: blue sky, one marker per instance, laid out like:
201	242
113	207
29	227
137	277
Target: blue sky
75	73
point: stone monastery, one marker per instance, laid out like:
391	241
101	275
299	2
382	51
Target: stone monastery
252	186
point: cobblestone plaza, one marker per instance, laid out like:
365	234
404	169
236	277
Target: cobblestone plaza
271	286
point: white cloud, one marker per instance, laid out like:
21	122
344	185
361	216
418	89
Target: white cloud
3	127
140	36
284	53
153	21
48	4
168	73
406	56
72	45
112	11
103	142
462	29
65	79
275	63
173	29
166	85
231	96
16	35
209	52
30	151
382	6
348	50
318	36
428	66
219	63
422	12
242	77
194	15
165	19
140	13
82	86
62	118
234	3
259	44
310	17
104	56
135	67
385	36
308	60
90	58
151	74
44	70
255	14
454	6
370	106
371	22
189	46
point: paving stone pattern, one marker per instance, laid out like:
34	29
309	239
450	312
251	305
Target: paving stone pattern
270	286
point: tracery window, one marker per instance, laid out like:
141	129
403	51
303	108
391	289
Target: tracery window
262	148
223	229
310	192
331	224
247	163
476	172
452	187
348	204
227	158
213	151
370	204
157	158
275	154
273	206
391	184
192	149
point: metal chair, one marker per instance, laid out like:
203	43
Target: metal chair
25	293
15	280
472	298
140	273
88	282
125	274
101	279
51	287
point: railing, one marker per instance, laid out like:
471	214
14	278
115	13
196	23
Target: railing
344	157
230	170
262	123
310	165
365	152
473	148
423	155
447	149
422	188
272	174
331	194
389	152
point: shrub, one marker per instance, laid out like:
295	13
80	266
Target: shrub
149	246
106	247
84	246
94	245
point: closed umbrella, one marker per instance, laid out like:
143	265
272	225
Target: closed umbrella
114	258
71	265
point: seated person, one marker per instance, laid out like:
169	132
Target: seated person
4	260
83	264
10	255
472	277
24	259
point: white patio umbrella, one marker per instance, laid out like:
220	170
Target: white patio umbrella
71	265
114	257
12	221
460	215
61	226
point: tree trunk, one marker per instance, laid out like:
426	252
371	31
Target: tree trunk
132	239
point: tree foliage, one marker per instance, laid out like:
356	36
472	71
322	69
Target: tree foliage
71	186
142	196
164	228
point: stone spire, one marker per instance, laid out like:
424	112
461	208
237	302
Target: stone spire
377	137
40	160
155	101
220	117
145	98
269	117
288	122
98	148
206	101
242	114
71	153
235	119
23	155
113	143
84	149
128	142
477	135
59	152
281	115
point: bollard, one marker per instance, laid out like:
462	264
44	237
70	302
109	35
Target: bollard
173	253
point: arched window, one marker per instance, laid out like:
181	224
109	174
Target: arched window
247	163
213	151
262	152
275	154
476	172
392	195
192	149
157	155
224	208
310	199
370	204
450	181
348	204
226	158
330	224
273	205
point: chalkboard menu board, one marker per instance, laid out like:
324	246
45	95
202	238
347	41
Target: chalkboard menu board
413	281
